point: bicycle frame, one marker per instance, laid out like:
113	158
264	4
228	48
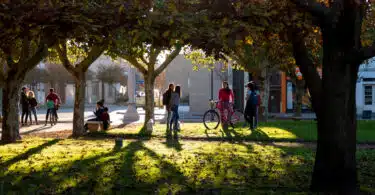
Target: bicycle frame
223	119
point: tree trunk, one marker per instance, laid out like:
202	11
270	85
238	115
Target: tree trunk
149	103
300	89
103	90
266	93
10	123
79	105
335	162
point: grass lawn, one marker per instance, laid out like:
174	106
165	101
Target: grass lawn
278	130
66	166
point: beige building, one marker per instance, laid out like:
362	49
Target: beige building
197	84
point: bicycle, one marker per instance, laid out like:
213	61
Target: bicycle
212	118
52	117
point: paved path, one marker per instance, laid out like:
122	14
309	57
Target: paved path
116	114
66	119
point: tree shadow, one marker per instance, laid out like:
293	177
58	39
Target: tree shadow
28	153
35	130
258	134
125	182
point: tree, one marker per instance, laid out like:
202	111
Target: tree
334	102
78	70
30	27
341	23
149	69
160	31
111	74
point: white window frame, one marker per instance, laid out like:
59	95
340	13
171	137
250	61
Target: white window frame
372	95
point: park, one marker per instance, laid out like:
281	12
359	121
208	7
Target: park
150	69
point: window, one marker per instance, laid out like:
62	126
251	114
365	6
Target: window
368	95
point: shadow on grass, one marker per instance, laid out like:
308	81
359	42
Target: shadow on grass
28	153
36	130
137	168
173	143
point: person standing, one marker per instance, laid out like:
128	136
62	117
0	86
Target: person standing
51	109
174	103
248	93
257	91
25	106
56	99
226	100
32	106
251	105
166	102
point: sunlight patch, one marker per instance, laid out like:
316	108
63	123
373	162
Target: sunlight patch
274	132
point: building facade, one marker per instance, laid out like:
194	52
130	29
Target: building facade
365	93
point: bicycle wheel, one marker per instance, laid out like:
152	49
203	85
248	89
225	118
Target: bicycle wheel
211	119
237	117
51	119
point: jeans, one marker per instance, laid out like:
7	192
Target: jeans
169	116
225	105
33	110
175	117
25	114
250	117
50	111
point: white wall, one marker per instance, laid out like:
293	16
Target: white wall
365	71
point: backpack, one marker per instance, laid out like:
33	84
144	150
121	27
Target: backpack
165	98
254	99
50	104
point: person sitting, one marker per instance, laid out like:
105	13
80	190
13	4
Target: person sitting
98	113
105	118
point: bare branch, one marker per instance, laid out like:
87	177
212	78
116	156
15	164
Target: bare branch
93	55
168	60
62	52
313	7
143	60
133	61
154	53
312	78
25	50
39	55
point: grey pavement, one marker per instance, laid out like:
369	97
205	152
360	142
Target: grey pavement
66	118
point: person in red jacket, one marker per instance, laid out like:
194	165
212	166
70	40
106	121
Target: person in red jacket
226	99
55	98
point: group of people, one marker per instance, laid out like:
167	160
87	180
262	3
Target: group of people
29	105
226	100
172	96
101	114
171	100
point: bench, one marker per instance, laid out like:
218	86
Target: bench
94	126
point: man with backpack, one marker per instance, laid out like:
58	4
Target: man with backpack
252	103
166	99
